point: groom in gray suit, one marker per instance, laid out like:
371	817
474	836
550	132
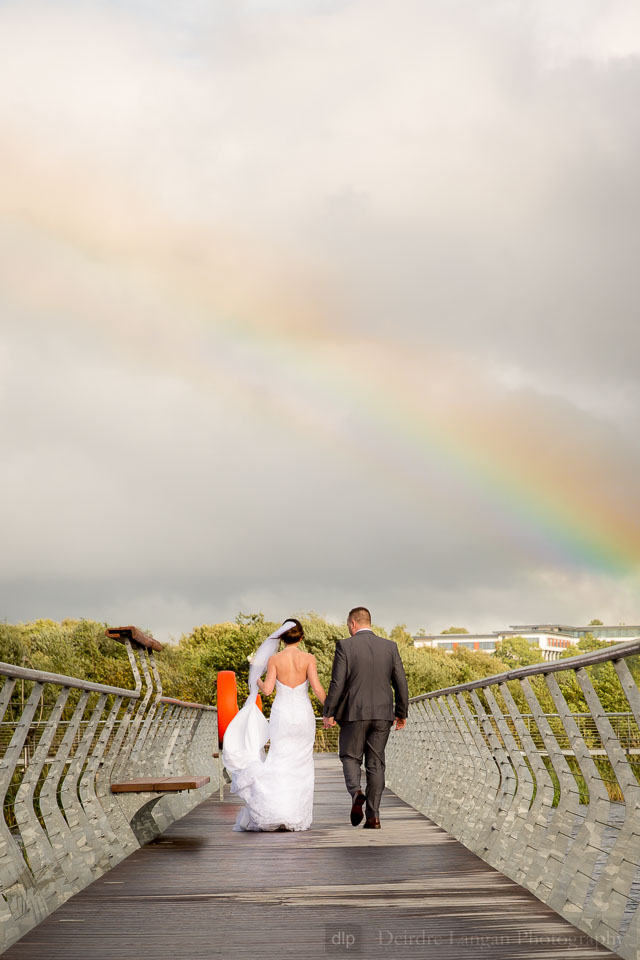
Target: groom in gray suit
365	669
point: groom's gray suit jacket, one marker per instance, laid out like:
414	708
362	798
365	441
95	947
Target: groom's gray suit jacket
365	669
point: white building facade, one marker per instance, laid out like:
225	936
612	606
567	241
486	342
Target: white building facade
550	638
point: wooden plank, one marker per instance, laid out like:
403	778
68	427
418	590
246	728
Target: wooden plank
134	786
135	635
201	891
159	784
181	783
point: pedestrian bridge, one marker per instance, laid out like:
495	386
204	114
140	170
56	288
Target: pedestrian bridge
510	827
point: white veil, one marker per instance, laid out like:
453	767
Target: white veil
247	733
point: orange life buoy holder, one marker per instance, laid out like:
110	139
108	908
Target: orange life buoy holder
228	701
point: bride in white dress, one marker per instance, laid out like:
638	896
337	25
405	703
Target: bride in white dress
277	788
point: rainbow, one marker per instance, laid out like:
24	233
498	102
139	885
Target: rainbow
565	506
247	323
565	511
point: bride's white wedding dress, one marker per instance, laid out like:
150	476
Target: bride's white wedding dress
277	788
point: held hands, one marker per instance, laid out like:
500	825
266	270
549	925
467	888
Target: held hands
327	722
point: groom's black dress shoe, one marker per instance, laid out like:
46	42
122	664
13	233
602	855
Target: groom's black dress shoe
356	809
372	823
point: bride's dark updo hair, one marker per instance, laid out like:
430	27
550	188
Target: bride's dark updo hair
295	633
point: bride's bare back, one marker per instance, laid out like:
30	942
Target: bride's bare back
292	667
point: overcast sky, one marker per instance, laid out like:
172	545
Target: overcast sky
312	304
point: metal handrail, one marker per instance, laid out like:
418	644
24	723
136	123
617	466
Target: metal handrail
185	703
59	679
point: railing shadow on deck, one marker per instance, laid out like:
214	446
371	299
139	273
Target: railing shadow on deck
62	827
548	796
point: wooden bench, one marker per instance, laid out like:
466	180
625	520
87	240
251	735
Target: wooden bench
159	784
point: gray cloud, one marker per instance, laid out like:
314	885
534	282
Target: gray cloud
279	285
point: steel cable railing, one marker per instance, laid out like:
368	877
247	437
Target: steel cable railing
63	741
530	771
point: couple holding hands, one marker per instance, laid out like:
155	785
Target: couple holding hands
277	787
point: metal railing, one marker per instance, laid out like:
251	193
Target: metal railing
62	827
548	795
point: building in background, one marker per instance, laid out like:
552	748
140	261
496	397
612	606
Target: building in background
551	638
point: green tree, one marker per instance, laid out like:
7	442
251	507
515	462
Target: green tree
250	619
454	630
475	664
76	648
431	668
518	652
400	634
189	668
227	646
603	677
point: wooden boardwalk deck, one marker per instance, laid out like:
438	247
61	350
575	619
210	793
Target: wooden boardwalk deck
201	891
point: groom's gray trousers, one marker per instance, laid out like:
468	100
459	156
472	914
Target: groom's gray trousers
366	738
